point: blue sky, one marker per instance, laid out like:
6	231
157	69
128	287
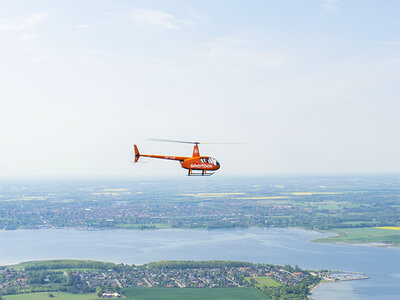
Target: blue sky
310	86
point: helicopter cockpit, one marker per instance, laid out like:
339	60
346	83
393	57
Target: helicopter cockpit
209	160
214	161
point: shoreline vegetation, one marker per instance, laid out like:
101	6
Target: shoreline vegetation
373	236
178	279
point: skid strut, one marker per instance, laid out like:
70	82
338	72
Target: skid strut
202	173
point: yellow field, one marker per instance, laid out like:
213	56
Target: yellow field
26	198
388	227
212	194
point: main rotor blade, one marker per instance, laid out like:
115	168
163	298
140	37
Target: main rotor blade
211	143
187	142
173	141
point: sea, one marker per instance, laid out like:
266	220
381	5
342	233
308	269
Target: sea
259	245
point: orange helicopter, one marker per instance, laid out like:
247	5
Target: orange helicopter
205	164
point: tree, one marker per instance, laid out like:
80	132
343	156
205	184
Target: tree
99	291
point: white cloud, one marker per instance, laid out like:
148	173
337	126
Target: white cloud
27	37
158	18
83	26
40	59
198	17
331	6
240	51
28	23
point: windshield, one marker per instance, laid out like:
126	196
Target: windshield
209	160
214	161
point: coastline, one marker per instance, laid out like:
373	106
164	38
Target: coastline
312	290
336	234
362	276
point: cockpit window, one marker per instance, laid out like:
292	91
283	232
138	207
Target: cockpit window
209	160
214	161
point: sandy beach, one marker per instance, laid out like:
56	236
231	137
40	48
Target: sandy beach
314	288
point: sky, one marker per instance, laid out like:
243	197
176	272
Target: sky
310	87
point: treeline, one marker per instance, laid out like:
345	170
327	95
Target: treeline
299	291
74	289
97	265
187	264
67	264
44	277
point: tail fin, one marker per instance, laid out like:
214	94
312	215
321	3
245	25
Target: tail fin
137	154
196	152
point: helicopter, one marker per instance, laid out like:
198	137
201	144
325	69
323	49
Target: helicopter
196	165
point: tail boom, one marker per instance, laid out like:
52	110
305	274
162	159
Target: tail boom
138	155
179	158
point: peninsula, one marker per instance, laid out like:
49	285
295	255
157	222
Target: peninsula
86	280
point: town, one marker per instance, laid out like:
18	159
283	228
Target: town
144	206
88	276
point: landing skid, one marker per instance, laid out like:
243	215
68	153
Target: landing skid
201	173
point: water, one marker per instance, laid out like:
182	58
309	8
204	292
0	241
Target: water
268	245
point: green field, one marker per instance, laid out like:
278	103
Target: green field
193	294
155	294
363	235
57	296
264	281
330	206
357	222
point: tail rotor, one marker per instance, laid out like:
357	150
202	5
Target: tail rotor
137	154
